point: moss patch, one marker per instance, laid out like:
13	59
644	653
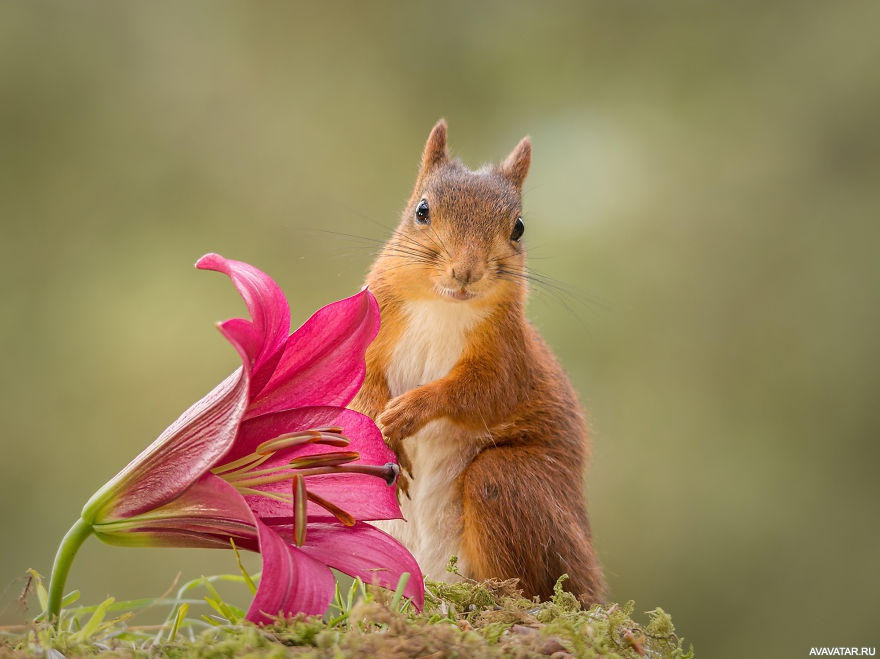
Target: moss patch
465	619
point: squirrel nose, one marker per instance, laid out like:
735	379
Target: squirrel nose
466	275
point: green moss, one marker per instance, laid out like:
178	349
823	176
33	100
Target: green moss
464	619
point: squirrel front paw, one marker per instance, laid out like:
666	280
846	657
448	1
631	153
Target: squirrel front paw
404	416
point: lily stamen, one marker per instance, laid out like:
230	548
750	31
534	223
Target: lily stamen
246	474
287	440
332	508
334	459
387	472
281	473
306	462
249	491
300	507
329	436
318	436
333	439
244	463
261	480
331	429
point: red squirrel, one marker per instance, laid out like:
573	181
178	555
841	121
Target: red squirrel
467	393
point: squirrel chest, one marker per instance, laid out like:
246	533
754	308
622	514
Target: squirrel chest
432	341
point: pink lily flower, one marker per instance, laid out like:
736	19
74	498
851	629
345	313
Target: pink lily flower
270	458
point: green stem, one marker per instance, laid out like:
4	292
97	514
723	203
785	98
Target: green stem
63	560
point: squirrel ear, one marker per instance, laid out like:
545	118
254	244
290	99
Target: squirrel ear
435	148
516	166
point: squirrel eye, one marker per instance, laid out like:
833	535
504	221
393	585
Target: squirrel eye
422	213
518	229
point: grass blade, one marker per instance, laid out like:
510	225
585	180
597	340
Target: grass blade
181	614
398	592
244	573
42	593
94	622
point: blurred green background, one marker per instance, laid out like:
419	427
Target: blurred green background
705	179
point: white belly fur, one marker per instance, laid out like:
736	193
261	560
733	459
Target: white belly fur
430	346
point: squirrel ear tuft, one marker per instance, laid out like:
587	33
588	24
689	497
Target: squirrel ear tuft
516	166
435	147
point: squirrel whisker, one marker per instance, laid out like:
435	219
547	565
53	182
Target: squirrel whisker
416	245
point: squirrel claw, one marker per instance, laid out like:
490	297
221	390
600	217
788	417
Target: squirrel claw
403	486
403	461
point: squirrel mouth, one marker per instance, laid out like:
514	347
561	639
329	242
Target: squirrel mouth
457	293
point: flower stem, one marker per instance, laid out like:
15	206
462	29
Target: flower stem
70	544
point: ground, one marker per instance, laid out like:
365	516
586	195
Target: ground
467	619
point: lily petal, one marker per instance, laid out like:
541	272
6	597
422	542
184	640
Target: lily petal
366	552
207	514
292	582
177	458
261	339
323	361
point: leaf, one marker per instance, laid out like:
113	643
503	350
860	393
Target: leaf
127	605
211	621
94	622
352	591
181	614
398	593
232	613
42	593
67	600
244	573
70	598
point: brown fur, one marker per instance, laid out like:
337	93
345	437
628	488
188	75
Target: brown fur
523	508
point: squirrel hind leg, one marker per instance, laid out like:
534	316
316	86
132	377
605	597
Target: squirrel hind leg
514	525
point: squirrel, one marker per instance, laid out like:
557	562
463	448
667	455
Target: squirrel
467	393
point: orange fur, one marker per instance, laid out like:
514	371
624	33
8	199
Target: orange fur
517	429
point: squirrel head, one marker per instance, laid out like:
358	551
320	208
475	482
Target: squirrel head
461	234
